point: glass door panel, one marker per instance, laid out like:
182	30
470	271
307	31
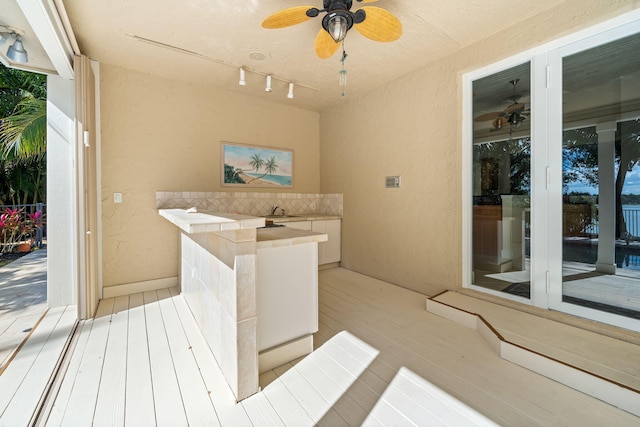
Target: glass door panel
601	178
501	182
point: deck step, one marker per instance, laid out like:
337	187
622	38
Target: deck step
599	366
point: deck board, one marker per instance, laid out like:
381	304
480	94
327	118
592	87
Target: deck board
228	412
169	410
22	384
280	396
23	287
62	399
110	407
84	395
139	404
195	396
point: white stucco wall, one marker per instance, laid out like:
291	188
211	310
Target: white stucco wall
162	135
412	127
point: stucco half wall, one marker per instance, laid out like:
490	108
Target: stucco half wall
412	127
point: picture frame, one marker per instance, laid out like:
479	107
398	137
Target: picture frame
244	165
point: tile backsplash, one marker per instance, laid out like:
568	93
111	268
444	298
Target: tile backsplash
257	204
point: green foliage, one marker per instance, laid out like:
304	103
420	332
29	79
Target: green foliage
630	199
23	136
231	176
24	133
16	226
580	156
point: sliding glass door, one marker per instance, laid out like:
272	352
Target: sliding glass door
553	178
601	179
501	175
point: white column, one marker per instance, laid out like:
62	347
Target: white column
606	198
61	194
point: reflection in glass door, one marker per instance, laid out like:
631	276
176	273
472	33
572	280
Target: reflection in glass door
601	178
501	182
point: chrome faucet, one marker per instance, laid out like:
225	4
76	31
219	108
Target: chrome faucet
273	211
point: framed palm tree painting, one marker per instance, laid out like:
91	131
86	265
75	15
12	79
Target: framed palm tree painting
256	166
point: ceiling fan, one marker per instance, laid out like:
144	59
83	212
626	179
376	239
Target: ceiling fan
372	22
513	115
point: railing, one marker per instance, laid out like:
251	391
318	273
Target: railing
632	220
587	224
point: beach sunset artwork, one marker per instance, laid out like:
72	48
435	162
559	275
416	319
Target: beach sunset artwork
253	166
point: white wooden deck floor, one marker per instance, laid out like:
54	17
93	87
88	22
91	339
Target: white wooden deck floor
23	383
23	301
142	361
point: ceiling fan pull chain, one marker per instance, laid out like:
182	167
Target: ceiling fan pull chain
343	72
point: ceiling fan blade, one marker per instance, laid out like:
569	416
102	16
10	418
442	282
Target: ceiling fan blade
287	17
379	25
325	45
514	108
488	116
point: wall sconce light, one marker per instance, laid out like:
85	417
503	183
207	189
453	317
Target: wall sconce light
16	51
290	94
242	81
268	87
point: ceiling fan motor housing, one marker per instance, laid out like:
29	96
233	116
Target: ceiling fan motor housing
331	5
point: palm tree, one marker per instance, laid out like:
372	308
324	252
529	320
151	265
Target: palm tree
256	164
23	122
23	136
270	166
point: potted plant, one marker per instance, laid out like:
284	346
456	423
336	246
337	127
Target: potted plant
18	228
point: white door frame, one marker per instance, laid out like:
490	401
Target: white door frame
546	166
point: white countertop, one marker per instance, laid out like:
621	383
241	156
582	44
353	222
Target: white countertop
302	217
286	236
202	222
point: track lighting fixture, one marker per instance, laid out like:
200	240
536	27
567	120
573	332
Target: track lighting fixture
242	81
16	51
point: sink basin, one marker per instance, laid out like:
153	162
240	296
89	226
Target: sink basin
280	216
272	225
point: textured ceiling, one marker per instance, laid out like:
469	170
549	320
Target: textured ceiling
205	42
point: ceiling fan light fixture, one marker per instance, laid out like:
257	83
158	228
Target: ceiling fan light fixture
16	51
337	24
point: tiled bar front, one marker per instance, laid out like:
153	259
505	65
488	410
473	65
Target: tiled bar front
219	255
218	283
